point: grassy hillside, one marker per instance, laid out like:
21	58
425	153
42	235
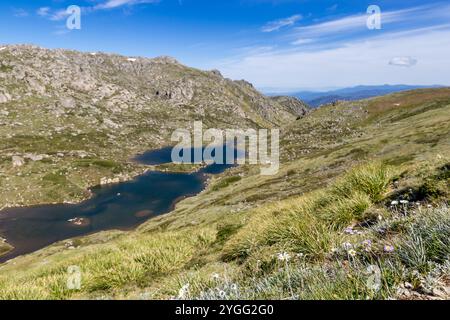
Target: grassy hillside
358	210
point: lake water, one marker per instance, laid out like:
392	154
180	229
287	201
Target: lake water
119	206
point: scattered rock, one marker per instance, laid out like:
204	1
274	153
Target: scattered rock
165	60
17	161
68	103
34	157
143	214
5	97
79	222
111	124
105	181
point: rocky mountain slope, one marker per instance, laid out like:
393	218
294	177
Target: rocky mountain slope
69	120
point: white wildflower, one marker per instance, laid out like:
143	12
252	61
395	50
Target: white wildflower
284	256
347	245
367	244
349	230
215	276
183	293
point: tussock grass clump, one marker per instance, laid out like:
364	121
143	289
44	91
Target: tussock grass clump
343	210
290	224
310	224
351	196
371	179
250	237
300	229
427	239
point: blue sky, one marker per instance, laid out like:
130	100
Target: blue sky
275	44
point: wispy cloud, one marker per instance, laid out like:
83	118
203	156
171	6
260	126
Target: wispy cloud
281	23
20	13
43	11
355	23
50	14
112	4
333	7
60	14
302	41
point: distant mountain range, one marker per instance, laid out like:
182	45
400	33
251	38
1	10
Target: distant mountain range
315	99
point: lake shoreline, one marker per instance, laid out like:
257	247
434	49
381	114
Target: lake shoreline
195	172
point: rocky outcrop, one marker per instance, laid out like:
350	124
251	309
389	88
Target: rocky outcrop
293	104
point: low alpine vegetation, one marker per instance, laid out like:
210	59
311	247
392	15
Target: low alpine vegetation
310	224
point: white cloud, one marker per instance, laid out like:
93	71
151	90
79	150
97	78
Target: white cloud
278	24
403	62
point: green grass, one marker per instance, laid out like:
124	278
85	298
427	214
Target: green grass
426	240
225	182
308	224
5	68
